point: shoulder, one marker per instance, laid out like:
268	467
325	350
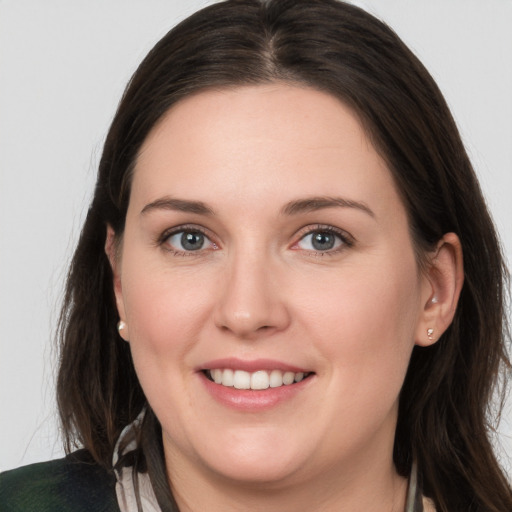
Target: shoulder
75	483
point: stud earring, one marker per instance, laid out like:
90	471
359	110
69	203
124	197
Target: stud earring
430	334
121	325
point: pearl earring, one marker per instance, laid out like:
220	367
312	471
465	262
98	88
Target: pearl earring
430	334
121	325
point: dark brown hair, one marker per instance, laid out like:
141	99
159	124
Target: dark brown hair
444	411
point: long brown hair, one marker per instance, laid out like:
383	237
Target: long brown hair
444	411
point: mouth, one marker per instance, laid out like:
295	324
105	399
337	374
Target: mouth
258	380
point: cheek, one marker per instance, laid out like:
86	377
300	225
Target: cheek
364	322
165	315
164	310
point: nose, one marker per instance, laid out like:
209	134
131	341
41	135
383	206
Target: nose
252	302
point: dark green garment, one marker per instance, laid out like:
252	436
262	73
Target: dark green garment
72	484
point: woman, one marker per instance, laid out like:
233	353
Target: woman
288	293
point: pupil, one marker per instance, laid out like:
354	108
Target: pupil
192	241
323	241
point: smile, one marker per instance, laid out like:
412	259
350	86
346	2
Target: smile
258	380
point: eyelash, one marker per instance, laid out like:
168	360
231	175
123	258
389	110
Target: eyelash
162	240
346	240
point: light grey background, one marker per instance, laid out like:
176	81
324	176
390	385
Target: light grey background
63	67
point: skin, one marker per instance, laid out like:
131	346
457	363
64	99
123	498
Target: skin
258	289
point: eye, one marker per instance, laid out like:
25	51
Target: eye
188	240
322	240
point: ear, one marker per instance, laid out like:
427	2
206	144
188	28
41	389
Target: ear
112	252
442	284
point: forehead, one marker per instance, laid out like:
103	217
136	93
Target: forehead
297	115
261	143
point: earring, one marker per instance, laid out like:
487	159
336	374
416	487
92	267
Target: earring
430	334
121	325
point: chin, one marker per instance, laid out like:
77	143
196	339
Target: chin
254	457
254	473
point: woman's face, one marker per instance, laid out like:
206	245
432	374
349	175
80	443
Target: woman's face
266	243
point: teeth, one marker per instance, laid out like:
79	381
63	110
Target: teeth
261	379
242	380
216	376
276	379
288	378
227	378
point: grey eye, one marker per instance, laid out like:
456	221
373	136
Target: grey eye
192	241
320	241
188	241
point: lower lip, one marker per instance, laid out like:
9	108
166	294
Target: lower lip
252	400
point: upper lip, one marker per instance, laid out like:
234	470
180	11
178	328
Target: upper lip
251	366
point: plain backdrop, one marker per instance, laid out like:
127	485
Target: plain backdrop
63	67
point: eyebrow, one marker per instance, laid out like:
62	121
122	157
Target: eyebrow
308	204
178	205
311	204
